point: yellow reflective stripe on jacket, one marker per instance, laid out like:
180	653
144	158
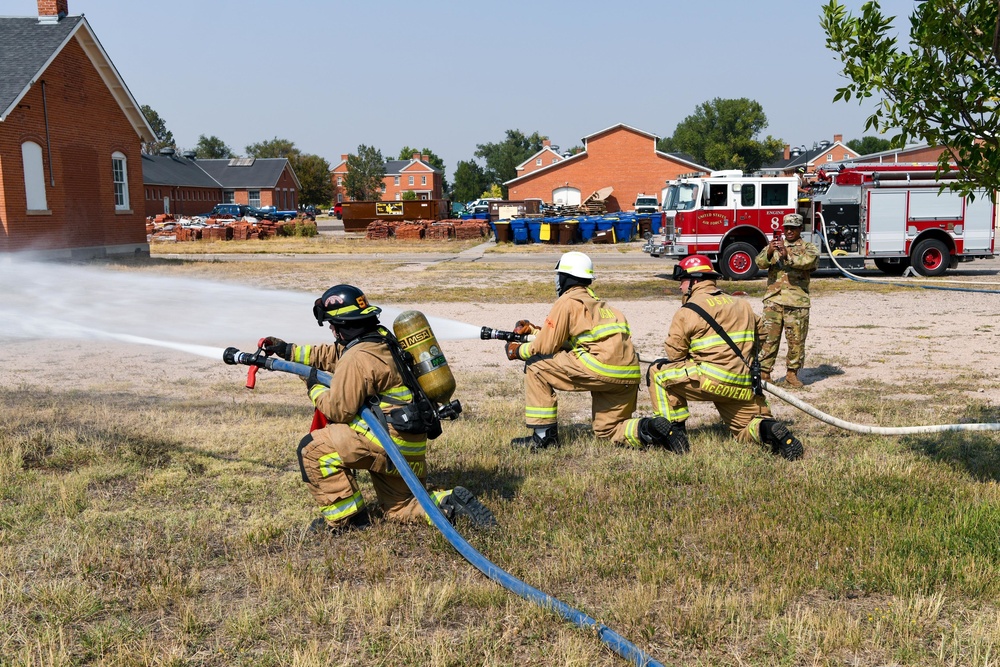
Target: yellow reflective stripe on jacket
399	394
715	339
316	391
600	332
301	354
722	375
342	509
607	370
531	412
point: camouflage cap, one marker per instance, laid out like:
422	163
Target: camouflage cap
792	220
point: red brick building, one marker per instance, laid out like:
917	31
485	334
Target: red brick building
70	141
620	156
916	153
415	175
822	155
255	181
177	185
543	158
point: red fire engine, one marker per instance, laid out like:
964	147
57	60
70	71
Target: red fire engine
893	214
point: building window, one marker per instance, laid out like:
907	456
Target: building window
538	162
254	199
34	176
411	180
340	181
397	196
846	156
395	180
119	171
340	198
829	157
228	197
423	180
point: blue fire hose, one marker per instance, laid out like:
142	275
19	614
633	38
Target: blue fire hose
609	637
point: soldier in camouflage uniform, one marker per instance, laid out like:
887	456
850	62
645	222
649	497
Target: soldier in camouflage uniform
789	262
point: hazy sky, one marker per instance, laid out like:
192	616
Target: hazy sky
447	75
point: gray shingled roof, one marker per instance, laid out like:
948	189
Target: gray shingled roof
25	46
175	170
263	173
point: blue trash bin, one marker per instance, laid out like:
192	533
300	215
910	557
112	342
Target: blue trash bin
656	219
587	227
535	230
519	231
625	230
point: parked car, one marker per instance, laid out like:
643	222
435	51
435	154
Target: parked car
480	205
229	211
336	211
272	213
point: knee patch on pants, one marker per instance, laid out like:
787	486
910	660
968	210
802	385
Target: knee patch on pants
305	442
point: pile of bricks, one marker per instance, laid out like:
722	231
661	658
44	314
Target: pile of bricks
441	231
471	229
411	230
379	229
216	233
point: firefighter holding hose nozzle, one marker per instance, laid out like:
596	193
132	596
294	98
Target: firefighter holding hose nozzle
584	345
363	365
711	357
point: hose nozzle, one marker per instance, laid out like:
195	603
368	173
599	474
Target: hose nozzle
486	333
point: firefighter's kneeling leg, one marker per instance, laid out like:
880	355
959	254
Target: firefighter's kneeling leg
322	456
743	417
394	495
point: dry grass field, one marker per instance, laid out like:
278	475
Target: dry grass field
151	510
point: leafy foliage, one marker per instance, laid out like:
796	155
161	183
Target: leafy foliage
470	180
721	134
409	195
273	148
209	148
502	158
942	91
164	137
869	145
313	173
365	171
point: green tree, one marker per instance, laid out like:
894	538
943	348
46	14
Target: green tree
409	195
212	147
869	145
940	88
365	171
502	158
721	134
313	173
470	180
164	137
273	148
406	153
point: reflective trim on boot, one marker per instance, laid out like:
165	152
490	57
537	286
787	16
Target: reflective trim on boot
542	438
792	379
782	441
659	432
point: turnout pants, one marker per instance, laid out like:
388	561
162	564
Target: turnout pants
795	322
612	403
328	463
741	415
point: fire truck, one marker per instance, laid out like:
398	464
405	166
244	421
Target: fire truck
893	214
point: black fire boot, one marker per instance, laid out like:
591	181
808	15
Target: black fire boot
461	502
357	521
659	432
782	441
542	438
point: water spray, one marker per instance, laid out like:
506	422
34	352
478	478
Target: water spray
609	637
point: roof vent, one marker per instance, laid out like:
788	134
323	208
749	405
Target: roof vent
168	151
191	155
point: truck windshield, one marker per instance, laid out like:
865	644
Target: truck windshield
680	197
645	201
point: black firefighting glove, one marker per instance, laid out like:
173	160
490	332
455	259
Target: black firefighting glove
313	379
278	347
513	351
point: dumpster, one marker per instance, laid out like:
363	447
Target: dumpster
519	231
501	228
567	232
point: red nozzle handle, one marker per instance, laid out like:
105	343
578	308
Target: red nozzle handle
252	371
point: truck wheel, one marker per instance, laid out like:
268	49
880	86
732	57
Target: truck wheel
737	261
888	268
930	258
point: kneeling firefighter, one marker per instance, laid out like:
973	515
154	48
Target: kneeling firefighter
364	362
711	349
584	345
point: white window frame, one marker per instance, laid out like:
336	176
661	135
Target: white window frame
829	157
395	180
119	180
538	162
423	180
411	180
253	196
340	181
34	176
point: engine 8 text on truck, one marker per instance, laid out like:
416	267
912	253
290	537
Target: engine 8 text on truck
893	214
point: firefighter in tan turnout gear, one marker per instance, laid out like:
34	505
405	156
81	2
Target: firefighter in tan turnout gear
362	366
702	366
584	345
789	262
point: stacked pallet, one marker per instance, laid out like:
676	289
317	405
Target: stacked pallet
378	230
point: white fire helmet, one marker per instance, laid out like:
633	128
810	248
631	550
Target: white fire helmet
576	264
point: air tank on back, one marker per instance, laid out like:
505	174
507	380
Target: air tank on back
431	368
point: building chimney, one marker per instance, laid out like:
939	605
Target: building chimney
50	11
343	157
416	156
546	143
838	137
788	153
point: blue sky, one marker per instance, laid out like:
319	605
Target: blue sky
447	75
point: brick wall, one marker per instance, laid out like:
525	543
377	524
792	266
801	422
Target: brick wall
86	126
184	200
623	159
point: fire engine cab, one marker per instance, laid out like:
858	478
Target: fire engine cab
893	214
